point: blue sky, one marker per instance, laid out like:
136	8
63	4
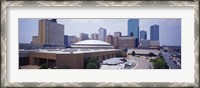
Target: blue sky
170	29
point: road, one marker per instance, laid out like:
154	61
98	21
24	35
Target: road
140	63
169	61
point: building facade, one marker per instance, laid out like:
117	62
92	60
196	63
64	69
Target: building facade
143	35
83	36
133	29
35	40
144	43
102	34
154	32
154	44
66	40
126	42
75	59
116	42
72	40
117	34
94	36
109	39
50	32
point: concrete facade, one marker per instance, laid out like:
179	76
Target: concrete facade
35	40
50	32
94	36
109	39
71	60
126	42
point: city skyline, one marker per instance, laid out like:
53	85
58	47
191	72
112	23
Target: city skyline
172	27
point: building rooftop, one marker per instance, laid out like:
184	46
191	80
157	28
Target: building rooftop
92	42
69	51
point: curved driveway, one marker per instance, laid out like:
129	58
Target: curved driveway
140	63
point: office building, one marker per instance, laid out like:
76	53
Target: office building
126	42
102	34
83	36
133	29
116	42
72	40
50	32
143	35
35	40
154	32
117	34
109	39
94	36
154	44
144	43
66	40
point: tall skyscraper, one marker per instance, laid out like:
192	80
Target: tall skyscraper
83	36
109	39
117	34
154	32
102	34
66	40
143	35
133	29
94	36
50	32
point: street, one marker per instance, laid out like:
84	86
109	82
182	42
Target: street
169	61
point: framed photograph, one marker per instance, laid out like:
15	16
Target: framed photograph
100	43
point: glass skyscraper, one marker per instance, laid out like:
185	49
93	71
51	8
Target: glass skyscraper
133	29
143	35
154	32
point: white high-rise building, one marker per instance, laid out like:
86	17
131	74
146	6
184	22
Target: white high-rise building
94	36
102	34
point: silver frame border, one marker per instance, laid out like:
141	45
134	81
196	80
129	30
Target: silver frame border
5	4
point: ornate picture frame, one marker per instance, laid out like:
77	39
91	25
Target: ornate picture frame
5	4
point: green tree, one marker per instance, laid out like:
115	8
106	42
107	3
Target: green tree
133	53
91	66
92	60
43	66
159	63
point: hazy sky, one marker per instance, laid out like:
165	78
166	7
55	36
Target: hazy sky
170	29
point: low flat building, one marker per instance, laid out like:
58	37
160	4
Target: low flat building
144	51
70	58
